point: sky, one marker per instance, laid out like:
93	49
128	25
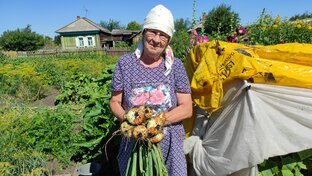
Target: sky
47	16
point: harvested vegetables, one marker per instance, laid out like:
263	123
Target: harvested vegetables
146	128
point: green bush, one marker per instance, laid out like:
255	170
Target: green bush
51	131
270	31
21	81
32	137
26	78
295	164
2	56
221	21
21	40
98	121
180	44
121	44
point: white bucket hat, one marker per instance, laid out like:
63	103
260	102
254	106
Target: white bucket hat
159	18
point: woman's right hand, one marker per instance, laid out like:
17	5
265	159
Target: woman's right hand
116	107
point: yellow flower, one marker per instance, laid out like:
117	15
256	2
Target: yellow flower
278	19
310	27
275	26
298	25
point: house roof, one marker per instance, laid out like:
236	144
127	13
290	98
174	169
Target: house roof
82	24
197	26
124	32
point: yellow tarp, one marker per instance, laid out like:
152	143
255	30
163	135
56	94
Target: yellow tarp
211	64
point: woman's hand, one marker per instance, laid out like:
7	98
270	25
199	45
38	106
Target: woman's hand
116	107
183	110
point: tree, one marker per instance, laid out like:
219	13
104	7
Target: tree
181	39
182	25
111	24
306	15
180	44
57	40
133	25
48	42
21	40
221	20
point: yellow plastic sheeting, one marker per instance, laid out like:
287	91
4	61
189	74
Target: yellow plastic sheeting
212	64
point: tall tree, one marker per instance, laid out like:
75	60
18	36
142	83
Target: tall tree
21	40
111	24
180	40
182	24
302	16
133	25
57	40
221	20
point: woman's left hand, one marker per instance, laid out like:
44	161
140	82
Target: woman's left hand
183	110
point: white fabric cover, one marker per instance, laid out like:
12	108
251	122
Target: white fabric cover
255	122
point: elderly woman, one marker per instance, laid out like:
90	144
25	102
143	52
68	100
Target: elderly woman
152	76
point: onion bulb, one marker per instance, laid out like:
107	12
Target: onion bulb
140	132
157	138
126	129
130	115
160	119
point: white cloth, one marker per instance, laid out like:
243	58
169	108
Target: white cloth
255	122
160	18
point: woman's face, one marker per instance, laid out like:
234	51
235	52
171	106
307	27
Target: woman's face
155	42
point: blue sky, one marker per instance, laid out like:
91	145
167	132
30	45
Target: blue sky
47	16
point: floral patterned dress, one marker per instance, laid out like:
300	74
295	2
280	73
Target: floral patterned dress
142	85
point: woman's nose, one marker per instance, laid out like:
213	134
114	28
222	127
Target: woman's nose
156	38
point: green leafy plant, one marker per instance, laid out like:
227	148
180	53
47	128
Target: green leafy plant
98	120
269	31
30	138
221	20
52	132
294	164
180	44
21	81
21	40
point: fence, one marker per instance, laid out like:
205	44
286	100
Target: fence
57	51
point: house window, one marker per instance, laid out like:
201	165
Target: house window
90	41
85	41
80	42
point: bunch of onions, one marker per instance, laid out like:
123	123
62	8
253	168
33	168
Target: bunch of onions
147	130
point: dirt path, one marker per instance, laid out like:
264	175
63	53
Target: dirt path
49	99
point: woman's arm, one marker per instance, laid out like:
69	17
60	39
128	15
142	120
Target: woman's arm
183	111
115	105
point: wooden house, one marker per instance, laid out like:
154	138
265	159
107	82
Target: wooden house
128	36
84	33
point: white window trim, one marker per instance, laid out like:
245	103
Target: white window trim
93	41
85	41
78	42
